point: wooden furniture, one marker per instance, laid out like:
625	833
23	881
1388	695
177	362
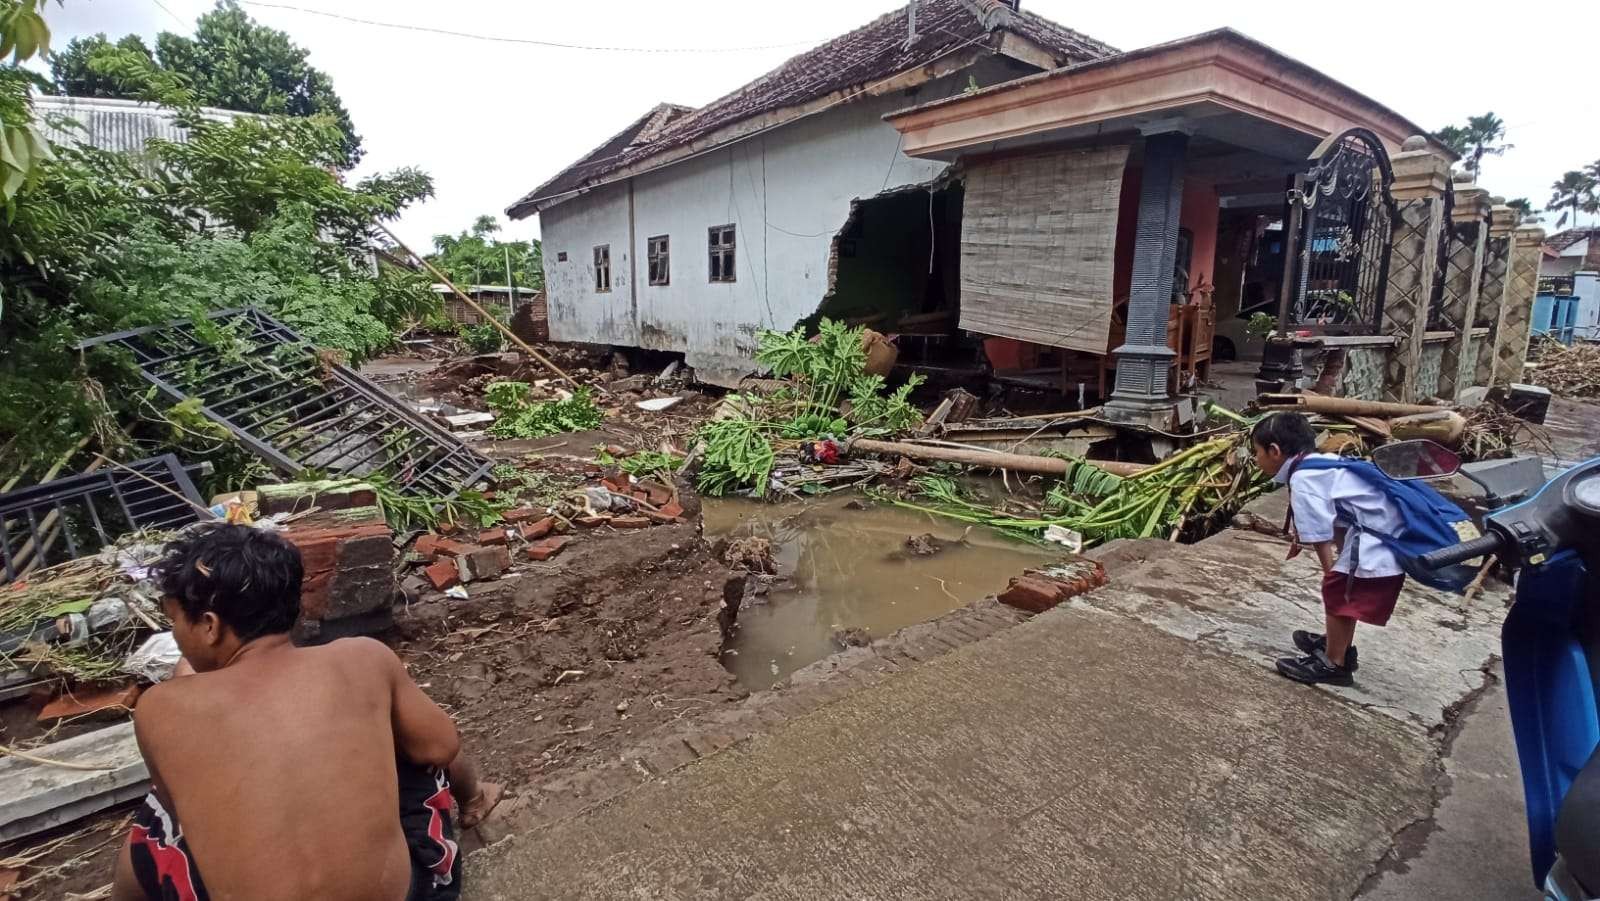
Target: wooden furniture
1191	326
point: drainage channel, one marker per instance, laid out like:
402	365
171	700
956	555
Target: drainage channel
842	567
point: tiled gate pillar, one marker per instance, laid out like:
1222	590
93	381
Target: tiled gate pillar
1420	181
1492	286
1516	315
1462	280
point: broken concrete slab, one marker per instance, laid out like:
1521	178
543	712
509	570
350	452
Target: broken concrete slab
35	797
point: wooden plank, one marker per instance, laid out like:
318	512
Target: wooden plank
35	797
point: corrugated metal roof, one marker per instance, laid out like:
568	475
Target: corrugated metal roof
122	126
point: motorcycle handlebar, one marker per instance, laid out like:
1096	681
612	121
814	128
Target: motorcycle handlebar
1460	553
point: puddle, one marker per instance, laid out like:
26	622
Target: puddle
849	569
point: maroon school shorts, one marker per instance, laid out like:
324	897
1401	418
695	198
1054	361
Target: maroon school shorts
1364	600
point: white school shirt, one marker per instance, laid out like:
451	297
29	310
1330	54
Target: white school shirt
1319	496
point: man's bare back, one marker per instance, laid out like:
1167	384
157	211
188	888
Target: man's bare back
290	790
284	772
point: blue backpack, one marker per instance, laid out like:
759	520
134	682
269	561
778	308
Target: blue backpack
1430	522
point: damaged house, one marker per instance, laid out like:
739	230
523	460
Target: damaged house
694	228
1014	200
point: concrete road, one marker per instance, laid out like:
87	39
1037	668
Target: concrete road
1476	844
1134	745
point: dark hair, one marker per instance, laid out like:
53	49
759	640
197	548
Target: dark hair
1291	432
248	577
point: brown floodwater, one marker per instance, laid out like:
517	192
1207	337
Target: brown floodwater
850	569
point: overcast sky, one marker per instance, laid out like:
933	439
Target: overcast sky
491	120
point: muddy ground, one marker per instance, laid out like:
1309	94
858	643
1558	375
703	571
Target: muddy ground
548	670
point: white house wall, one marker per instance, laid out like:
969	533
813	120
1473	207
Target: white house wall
788	193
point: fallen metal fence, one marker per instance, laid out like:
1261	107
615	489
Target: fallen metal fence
293	407
64	519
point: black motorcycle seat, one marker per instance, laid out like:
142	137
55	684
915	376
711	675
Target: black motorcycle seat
1578	827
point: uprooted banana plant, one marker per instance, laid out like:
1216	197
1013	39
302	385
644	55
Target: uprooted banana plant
829	395
1190	490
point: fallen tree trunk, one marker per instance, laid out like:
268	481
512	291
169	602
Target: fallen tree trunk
1342	406
1444	426
1050	466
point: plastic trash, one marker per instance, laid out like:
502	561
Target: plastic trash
155	659
459	592
1072	541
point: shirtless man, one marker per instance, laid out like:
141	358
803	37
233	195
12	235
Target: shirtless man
278	771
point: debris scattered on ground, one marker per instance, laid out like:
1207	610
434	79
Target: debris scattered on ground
1567	370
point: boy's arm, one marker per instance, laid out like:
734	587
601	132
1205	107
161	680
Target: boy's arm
1327	553
475	797
423	733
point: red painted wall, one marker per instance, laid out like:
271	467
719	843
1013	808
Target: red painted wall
1201	210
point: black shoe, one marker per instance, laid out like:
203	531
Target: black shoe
1313	669
1312	642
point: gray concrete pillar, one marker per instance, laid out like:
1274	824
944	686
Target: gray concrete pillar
1144	360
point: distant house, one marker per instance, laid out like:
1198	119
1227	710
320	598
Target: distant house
1568	304
691	229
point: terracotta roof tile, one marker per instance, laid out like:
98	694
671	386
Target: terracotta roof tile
871	53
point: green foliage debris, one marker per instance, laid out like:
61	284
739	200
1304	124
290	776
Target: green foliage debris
521	417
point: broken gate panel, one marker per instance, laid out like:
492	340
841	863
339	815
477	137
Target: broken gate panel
64	519
294	408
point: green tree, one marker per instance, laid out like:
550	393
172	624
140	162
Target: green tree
23	150
476	257
1524	208
1481	136
232	62
1573	192
72	71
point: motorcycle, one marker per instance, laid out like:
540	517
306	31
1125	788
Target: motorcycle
1550	645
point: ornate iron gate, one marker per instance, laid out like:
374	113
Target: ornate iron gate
1341	214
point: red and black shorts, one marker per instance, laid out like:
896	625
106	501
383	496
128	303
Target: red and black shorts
166	870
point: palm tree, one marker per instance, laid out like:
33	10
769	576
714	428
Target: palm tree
1453	137
1485	135
1525	211
1575	191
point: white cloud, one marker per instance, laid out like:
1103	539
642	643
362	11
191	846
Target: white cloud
492	120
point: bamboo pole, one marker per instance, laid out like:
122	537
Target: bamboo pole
1050	466
487	316
1343	406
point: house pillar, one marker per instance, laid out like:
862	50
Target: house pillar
1420	181
1492	288
1462	281
1144	359
1516	313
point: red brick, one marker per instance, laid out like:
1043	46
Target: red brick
449	547
1032	594
671	508
427	546
521	514
657	494
546	549
442	575
534	531
617	484
492	536
618	451
659	518
590	522
447	528
629	522
640	494
85	701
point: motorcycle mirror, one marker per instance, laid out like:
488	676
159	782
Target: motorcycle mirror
1419	459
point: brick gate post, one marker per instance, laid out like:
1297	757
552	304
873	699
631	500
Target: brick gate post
1516	313
1463	278
1420	180
1492	287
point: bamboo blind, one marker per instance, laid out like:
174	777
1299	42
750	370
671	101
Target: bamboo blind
1038	239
